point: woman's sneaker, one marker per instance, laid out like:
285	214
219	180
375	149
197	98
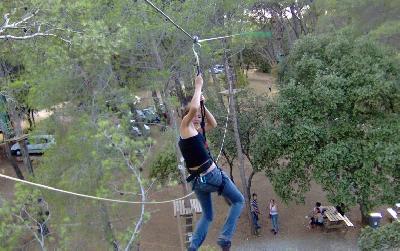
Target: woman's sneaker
224	244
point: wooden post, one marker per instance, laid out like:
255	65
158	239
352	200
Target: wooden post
178	218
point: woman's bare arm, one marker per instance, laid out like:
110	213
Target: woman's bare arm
211	123
194	105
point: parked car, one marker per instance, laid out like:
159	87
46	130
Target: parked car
151	116
135	131
37	144
138	130
140	115
216	69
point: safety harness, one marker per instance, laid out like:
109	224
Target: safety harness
201	178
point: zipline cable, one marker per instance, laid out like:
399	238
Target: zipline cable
169	19
90	196
216	38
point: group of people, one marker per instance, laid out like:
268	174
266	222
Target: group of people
273	214
317	216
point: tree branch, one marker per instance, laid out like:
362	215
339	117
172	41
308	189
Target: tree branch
26	23
38	34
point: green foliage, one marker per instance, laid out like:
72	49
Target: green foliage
337	121
164	165
18	218
386	237
252	58
373	17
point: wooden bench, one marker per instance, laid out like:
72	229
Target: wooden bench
334	219
393	213
347	221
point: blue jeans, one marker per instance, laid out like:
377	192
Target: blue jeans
255	220
203	188
274	219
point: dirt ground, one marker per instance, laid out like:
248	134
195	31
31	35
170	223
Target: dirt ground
161	231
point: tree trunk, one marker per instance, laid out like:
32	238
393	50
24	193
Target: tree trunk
229	77
217	90
230	163
296	24
156	103
28	116
7	148
16	119
107	227
13	161
179	91
249	183
364	214
33	117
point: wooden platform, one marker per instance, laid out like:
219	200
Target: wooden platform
179	207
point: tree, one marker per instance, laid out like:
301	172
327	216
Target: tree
336	121
288	20
386	237
376	18
28	216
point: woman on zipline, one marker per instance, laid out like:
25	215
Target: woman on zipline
205	175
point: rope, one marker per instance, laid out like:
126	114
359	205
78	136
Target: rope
168	18
196	55
226	127
90	196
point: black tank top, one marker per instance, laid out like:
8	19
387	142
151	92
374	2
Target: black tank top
195	153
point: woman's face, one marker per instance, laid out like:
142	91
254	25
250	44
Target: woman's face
197	119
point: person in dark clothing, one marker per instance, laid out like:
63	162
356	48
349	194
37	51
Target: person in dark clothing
341	209
255	212
205	175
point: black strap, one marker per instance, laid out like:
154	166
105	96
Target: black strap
203	127
203	119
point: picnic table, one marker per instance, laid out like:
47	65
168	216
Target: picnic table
335	219
395	212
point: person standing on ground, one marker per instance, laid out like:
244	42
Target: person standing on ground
273	212
255	212
206	177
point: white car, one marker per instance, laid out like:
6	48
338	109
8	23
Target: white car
216	69
37	144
